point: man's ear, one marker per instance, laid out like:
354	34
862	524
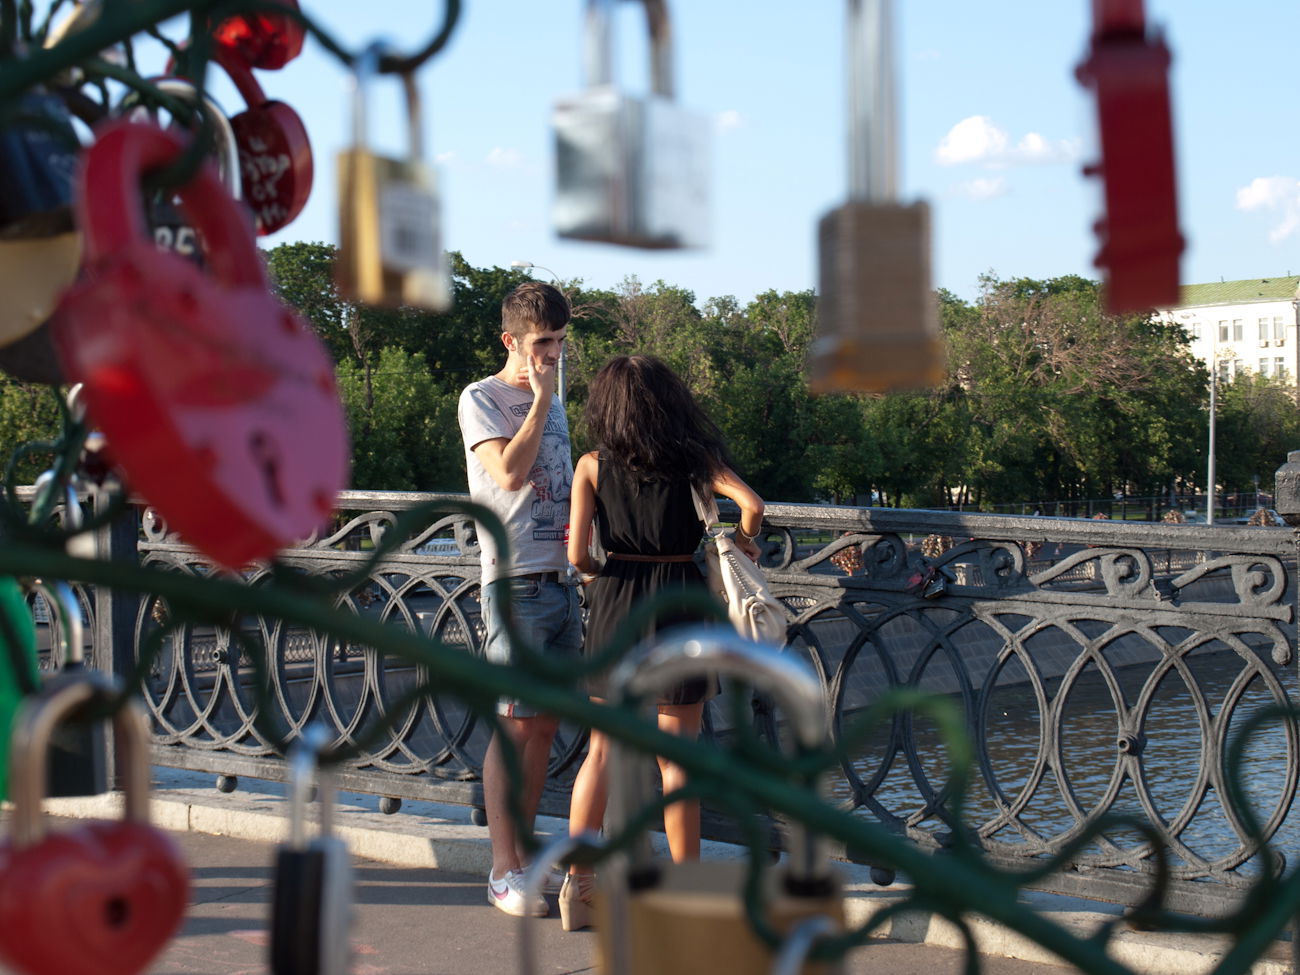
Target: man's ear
508	341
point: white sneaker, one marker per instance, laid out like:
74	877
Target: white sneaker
507	894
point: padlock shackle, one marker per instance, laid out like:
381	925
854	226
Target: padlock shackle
598	46
304	763
45	483
241	75
110	205
227	149
33	727
364	70
67	612
692	652
872	102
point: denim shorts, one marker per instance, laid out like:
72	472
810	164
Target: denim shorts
546	612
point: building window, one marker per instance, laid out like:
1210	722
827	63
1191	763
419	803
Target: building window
1279	367
1194	330
1278	332
1223	331
1263	367
1264	335
1224	374
1236	330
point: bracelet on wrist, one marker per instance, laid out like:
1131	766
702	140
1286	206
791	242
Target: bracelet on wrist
740	533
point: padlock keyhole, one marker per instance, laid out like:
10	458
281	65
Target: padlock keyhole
268	460
117	911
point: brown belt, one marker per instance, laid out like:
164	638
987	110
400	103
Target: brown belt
651	558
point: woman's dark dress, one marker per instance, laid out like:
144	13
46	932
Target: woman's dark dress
643	517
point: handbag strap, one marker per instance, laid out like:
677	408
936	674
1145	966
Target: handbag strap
707	508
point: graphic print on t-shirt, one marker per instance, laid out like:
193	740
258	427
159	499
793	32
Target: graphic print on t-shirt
552	482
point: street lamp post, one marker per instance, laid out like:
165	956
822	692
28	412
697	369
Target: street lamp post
1214	385
564	348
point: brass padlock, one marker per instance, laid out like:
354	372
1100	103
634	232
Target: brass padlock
631	171
877	324
689	918
390	214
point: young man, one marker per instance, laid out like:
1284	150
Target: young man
521	467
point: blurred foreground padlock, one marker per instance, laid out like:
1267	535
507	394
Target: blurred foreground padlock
631	171
219	401
40	249
104	897
877	326
311	910
690	918
275	159
78	746
390	214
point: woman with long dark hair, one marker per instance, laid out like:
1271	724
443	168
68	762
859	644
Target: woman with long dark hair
656	448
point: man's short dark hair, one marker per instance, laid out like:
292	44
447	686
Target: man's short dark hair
534	306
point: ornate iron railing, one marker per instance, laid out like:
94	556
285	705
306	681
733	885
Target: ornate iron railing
1101	667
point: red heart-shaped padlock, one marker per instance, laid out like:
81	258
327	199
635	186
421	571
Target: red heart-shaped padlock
263	39
218	401
275	160
101	899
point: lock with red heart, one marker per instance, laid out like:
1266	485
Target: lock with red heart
264	38
105	897
218	401
275	158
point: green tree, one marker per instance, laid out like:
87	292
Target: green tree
28	413
1256	424
404	433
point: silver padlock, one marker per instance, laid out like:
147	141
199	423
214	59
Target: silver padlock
170	227
689	918
311	910
390	212
877	324
633	171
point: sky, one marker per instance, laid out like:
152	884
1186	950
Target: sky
994	131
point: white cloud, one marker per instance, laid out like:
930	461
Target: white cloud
1278	195
502	158
448	158
978	139
729	119
973	139
985	188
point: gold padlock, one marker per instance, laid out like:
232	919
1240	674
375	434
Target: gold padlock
390	238
877	325
690	918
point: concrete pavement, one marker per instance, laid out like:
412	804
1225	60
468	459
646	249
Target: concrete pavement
421	908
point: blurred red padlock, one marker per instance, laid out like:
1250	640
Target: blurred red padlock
275	158
1128	68
104	897
218	401
263	39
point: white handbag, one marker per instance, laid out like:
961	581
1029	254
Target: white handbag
755	613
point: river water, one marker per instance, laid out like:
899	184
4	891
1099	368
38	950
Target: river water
1183	724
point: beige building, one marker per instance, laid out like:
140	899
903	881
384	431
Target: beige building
1243	325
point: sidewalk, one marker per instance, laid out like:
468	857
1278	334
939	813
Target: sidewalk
421	908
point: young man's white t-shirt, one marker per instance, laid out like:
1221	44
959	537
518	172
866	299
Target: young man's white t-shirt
536	517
